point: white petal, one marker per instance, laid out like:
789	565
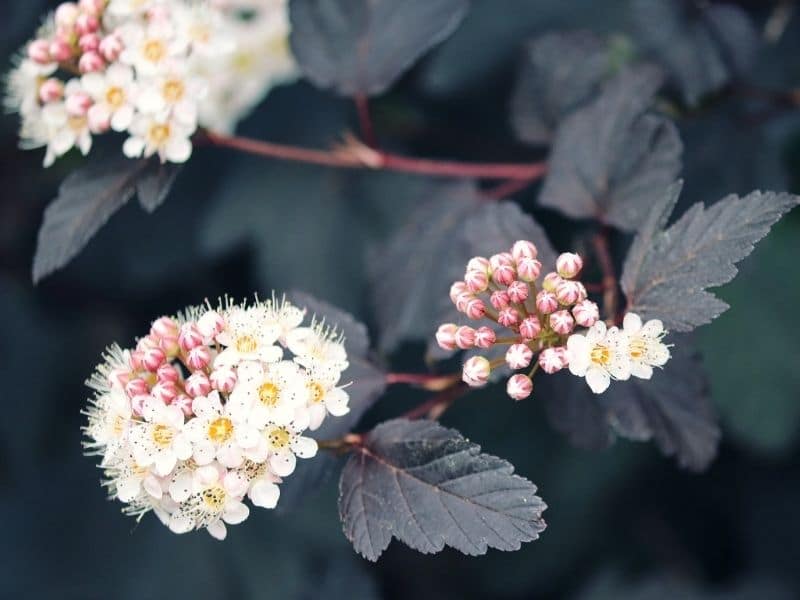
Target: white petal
596	332
653	328
217	530
641	370
165	462
122	118
128	488
247	436
336	402
598	380
133	147
178	150
204	452
235	512
282	464
230	455
631	323
179	523
153	486
658	354
181	488
304	447
264	494
317	414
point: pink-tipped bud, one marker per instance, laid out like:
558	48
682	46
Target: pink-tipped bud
477	281
518	356
169	344
152	358
446	336
476	371
568	292
135	360
86	23
530	328
60	50
66	14
91	62
146	343
111	47
197	384
553	359
78	104
562	322
528	269
166	391
582	293
51	90
183	402
551	281
478	263
458	288
518	291
137	403
500	299
164	326
546	302
189	337
519	386
210	324
89	42
92	7
569	265
586	313
501	259
199	358
523	249
167	372
223	380
485	337
465	337
119	377
462	299
475	308
39	51
508	317
137	387
99	119
504	274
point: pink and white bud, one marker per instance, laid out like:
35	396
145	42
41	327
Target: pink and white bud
462	299
519	386
477	281
551	281
111	47
39	51
475	308
197	384
137	404
528	269
518	291
119	377
500	299
223	380
518	356
568	265
189	337
89	42
86	23
146	343
164	326
137	387
485	337
152	358
66	14
568	292
530	328
586	313
582	293
552	360
91	62
60	50
523	249
501	259
166	391
504	274
184	402
478	263
167	372
458	288
476	371
465	337
51	90
562	322
199	358
446	336
135	360
92	7
99	120
508	317
546	302
169	344
210	324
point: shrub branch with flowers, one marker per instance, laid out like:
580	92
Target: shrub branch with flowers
214	405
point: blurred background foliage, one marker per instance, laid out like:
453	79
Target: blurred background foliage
623	523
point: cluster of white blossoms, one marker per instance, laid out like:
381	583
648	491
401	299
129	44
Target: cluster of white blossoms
211	407
155	70
606	353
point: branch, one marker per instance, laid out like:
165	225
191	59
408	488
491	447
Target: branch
365	120
609	283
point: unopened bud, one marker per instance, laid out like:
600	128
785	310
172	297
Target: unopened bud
551	281
189	337
519	386
546	302
508	317
500	299
465	337
528	269
568	292
446	336
562	322
485	337
210	324
476	371
199	358
518	356
569	265
91	62
223	380
530	328
51	90
523	249
197	385
39	51
553	359
586	313
518	291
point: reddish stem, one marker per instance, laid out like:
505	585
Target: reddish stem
365	120
507	188
435	406
606	263
433	383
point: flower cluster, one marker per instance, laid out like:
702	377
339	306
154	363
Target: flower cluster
155	70
535	320
208	409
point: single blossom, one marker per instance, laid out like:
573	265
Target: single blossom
599	356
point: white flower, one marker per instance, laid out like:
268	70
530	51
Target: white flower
22	88
317	344
323	394
158	134
151	49
285	443
272	393
64	131
129	8
161	440
263	487
114	94
206	29
645	348
173	91
130	481
599	356
249	334
110	420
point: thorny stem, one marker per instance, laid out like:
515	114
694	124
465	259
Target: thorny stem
606	263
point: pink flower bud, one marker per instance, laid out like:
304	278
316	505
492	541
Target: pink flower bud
551	281
223	380
446	336
502	259
167	372
528	269
119	377
183	402
166	391
60	51
518	291
552	360
462	299
197	385
164	326
518	356
51	90
485	337
137	387
89	42
508	317
78	104
111	47
146	342
568	292
524	249
504	274
39	51
210	324
569	265
137	403
91	62
546	302
477	281
582	293
562	322
169	344
530	328
478	263
500	299
458	288
199	358
99	119
189	337
465	337
136	360
86	23
475	308
92	7
586	313
519	386
66	14
152	358
476	371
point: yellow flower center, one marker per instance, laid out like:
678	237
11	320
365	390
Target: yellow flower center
174	90
316	391
269	393
243	61
246	344
278	438
162	435
637	348
600	355
220	430
159	134
77	123
115	96
154	50
214	498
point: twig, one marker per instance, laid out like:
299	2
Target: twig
365	120
609	283
433	383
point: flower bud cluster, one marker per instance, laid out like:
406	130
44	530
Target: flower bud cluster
155	70
211	406
532	317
